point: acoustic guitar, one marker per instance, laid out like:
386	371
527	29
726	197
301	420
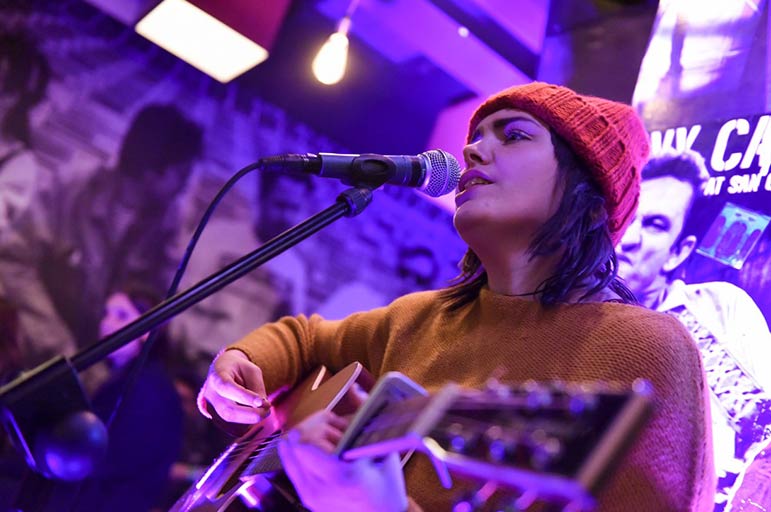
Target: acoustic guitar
550	441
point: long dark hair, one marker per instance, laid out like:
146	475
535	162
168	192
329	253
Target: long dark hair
159	136
579	229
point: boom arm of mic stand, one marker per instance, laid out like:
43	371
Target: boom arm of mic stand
36	403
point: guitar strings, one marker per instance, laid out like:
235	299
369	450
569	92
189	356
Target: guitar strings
241	447
271	442
377	424
384	423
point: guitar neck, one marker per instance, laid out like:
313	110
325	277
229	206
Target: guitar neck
555	440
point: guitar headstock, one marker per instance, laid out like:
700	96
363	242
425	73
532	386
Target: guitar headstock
554	440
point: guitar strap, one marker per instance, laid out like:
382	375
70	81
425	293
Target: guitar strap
742	400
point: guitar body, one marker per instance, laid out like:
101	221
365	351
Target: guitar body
248	473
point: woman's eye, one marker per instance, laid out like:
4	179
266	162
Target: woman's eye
513	135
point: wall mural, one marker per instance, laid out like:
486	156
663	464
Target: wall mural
110	151
94	193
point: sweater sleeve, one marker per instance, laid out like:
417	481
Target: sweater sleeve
290	348
669	465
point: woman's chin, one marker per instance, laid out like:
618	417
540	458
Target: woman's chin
469	220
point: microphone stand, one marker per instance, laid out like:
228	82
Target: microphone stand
44	408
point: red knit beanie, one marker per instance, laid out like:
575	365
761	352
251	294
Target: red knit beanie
606	135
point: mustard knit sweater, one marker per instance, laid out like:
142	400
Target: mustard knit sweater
669	465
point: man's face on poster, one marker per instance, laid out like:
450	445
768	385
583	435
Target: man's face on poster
647	252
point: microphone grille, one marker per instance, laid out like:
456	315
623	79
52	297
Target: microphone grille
443	172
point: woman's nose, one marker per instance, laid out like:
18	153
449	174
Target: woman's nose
475	153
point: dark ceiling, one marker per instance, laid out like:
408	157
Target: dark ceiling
379	107
417	67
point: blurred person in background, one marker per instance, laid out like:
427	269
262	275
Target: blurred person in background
146	434
78	241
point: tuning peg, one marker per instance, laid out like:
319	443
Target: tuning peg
579	506
461	439
497	389
474	501
582	400
544	450
538	397
498	444
522	502
519	502
530	385
467	504
558	385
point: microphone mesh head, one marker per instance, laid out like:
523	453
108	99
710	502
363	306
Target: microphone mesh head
442	171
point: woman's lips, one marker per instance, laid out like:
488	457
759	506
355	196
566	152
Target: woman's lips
468	182
472	178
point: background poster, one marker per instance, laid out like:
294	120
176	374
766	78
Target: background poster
734	213
703	87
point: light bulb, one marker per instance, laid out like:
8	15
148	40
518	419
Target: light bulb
329	64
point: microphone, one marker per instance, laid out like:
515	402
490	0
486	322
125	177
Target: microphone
434	172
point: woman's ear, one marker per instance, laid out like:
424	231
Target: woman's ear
679	253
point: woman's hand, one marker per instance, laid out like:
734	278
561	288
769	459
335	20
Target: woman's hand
325	483
234	387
